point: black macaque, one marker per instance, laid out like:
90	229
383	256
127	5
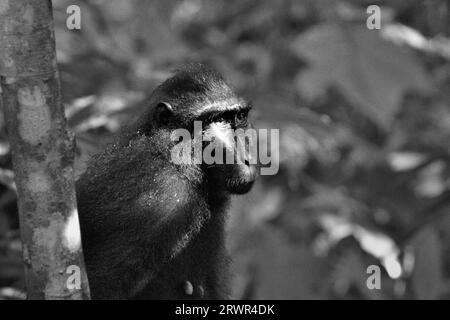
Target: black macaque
154	229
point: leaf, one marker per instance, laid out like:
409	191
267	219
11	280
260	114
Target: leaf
427	278
288	270
350	272
371	72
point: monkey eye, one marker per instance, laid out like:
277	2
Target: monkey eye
223	117
241	117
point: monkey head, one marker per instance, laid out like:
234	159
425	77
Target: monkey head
198	100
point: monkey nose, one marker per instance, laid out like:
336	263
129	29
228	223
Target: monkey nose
247	159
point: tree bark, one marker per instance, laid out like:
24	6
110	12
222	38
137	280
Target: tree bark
42	152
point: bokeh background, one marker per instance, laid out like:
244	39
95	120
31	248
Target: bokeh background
364	119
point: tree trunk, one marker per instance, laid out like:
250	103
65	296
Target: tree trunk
42	152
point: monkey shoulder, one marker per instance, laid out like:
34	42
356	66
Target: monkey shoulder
160	186
166	191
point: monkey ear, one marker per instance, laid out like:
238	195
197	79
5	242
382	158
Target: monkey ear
163	113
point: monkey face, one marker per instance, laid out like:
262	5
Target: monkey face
231	142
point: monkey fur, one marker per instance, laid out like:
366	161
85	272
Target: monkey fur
152	229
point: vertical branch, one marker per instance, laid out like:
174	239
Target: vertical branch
42	151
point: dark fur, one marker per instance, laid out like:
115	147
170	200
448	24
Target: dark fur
147	225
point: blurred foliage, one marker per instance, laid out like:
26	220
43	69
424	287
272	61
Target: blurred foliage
364	119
